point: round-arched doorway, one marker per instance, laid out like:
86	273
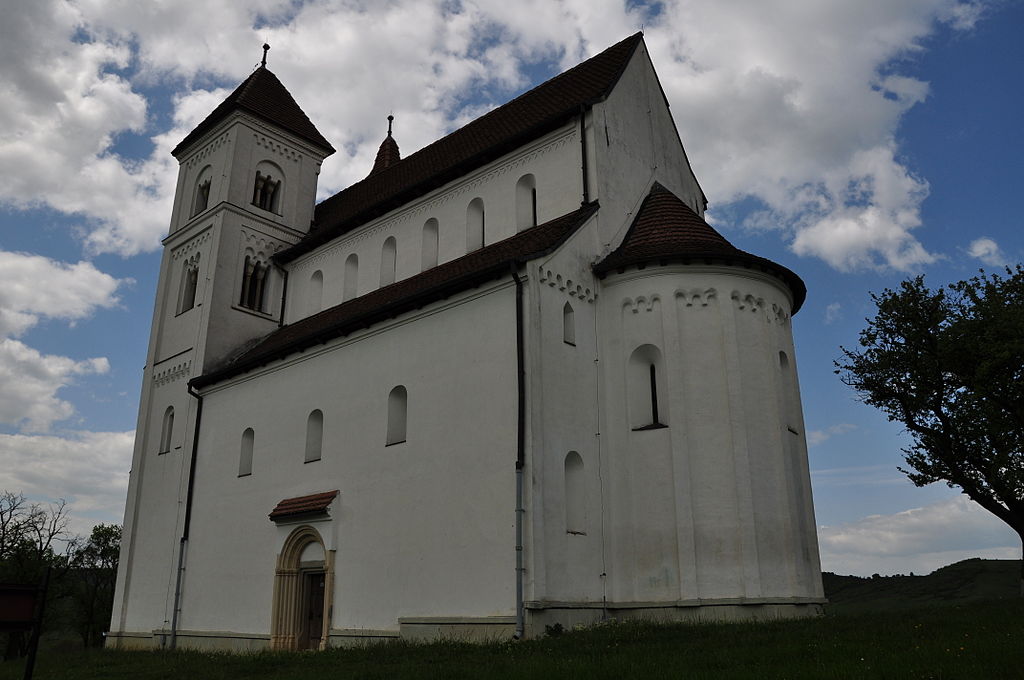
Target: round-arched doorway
303	592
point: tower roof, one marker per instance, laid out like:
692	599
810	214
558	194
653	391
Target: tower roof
262	95
528	116
666	230
387	154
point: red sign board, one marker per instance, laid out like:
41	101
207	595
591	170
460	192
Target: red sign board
17	606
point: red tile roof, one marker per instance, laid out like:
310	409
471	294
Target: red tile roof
667	230
303	505
525	118
408	294
262	95
387	155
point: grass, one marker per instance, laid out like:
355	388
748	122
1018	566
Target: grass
982	639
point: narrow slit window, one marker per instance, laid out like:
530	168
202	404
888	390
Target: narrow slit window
645	389
475	225
575	495
398	410
316	292
167	430
350	285
568	325
245	453
526	202
314	436
430	233
388	261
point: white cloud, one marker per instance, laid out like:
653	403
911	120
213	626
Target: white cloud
88	469
988	251
795	104
919	540
818	437
833	312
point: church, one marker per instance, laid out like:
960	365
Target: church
511	380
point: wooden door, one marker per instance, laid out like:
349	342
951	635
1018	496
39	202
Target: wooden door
315	609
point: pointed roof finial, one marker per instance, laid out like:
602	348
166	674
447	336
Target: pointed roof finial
390	120
266	48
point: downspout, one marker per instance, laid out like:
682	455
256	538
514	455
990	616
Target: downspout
188	518
583	151
284	290
520	452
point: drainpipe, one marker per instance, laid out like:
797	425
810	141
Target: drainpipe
188	518
583	151
520	453
284	290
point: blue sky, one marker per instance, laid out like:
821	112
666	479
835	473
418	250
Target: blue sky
856	143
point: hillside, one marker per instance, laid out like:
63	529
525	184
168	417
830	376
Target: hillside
967	581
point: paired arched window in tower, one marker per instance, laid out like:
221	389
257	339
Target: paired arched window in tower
575	495
201	197
475	225
526	202
245	453
646	389
254	282
429	252
314	435
189	284
350	282
388	261
268	187
166	430
568	325
398	411
316	292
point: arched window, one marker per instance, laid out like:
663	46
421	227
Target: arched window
789	400
526	202
388	255
575	495
254	281
475	225
314	435
398	401
245	453
189	284
429	253
166	430
316	292
201	198
268	187
645	385
568	325
350	285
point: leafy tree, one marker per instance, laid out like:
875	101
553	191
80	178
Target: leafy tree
949	365
93	573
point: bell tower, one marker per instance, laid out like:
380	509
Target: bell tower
246	189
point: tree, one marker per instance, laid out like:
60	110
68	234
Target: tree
93	574
949	365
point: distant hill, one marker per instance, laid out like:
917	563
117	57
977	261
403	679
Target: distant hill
970	580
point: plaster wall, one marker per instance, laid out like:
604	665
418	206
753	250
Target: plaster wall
553	160
421	527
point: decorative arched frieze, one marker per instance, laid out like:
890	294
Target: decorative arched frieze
779	315
186	248
640	303
696	296
566	285
172	373
207	150
277	148
260	243
748	302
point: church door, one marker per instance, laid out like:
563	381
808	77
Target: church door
315	609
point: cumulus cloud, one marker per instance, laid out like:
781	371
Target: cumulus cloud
796	106
833	312
33	288
988	251
919	540
818	437
88	469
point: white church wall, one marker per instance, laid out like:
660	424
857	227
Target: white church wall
702	507
553	160
635	144
421	528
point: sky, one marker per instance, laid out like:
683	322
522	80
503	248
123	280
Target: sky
857	143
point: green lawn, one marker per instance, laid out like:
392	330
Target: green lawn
975	640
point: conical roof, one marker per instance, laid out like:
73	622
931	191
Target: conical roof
387	155
666	230
262	95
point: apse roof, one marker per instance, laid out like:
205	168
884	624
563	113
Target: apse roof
262	95
408	294
667	230
528	116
